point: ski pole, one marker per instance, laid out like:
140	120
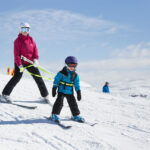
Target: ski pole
47	78
25	59
31	62
44	77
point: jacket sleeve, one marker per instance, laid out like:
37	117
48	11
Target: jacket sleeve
108	90
77	83
57	79
35	56
17	53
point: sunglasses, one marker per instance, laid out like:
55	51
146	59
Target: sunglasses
25	29
72	65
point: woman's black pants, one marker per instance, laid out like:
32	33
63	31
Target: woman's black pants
17	76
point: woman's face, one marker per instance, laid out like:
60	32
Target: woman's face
25	31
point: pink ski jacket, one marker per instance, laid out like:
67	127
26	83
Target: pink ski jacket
25	46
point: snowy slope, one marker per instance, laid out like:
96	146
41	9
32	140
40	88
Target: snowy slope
123	121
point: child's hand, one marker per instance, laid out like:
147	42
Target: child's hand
54	91
79	95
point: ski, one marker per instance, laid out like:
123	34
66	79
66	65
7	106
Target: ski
59	123
85	122
91	124
20	105
24	106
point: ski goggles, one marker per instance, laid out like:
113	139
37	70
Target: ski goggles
24	29
72	65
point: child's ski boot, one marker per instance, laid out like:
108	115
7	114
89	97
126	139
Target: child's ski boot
55	118
78	119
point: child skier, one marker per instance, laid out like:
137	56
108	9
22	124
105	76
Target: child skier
64	81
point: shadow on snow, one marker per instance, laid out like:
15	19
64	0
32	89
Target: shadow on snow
27	121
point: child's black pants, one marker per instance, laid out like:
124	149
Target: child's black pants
71	101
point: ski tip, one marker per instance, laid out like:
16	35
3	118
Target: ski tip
68	127
34	107
93	124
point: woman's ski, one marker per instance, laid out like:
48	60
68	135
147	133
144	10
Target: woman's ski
24	106
20	105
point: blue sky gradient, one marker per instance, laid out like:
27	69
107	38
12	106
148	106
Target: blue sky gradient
110	38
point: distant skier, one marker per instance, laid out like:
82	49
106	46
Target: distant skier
25	46
106	88
64	82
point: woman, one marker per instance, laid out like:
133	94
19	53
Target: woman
25	46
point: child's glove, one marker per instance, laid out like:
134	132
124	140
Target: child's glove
21	68
54	91
79	95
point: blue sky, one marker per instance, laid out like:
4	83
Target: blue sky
109	37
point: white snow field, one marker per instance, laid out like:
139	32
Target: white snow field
123	120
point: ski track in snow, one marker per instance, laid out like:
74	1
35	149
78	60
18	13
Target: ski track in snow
123	121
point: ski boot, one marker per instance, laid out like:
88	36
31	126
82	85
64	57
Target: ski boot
6	98
78	119
55	118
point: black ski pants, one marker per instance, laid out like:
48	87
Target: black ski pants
71	101
17	76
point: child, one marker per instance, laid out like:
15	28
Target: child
64	81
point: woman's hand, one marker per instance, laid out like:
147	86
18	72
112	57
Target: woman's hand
35	63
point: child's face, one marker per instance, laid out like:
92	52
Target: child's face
71	68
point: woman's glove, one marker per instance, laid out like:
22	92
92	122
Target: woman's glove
79	95
21	68
35	63
54	91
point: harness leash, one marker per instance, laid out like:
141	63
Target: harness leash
31	62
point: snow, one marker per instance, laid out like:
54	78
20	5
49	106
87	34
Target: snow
123	120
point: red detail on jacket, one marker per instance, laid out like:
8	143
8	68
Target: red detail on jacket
24	45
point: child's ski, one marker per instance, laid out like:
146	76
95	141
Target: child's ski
58	123
85	122
91	124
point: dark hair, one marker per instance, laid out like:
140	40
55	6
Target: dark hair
106	83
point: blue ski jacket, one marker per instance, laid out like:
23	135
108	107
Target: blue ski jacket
106	89
65	80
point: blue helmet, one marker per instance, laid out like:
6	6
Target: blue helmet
71	60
